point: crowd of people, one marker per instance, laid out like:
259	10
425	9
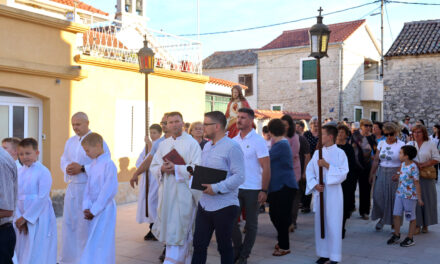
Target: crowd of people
396	162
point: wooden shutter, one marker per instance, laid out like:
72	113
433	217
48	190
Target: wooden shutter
308	70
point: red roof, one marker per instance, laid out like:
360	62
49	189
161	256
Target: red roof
300	37
225	82
81	5
270	114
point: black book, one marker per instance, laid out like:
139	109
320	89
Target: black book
205	175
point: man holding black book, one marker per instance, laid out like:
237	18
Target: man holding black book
177	202
218	206
253	192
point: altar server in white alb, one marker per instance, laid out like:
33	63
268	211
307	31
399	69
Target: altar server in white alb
74	226
177	201
335	169
153	186
99	204
35	222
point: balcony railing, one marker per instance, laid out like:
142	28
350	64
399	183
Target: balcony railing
372	90
117	41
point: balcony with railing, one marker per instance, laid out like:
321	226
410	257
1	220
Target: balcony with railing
372	88
112	39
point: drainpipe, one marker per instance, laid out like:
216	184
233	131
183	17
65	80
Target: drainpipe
341	107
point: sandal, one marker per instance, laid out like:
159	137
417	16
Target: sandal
277	247
425	229
417	231
280	252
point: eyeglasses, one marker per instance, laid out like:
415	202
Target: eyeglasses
208	124
388	135
163	123
368	125
407	119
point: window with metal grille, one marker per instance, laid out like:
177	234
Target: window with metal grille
246	79
215	102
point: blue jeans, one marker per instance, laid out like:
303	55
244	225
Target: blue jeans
222	222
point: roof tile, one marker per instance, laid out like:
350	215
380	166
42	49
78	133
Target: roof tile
225	82
270	114
300	37
233	58
417	38
81	5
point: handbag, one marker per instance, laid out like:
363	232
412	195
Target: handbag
428	173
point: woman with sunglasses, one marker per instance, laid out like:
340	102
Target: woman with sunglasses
384	188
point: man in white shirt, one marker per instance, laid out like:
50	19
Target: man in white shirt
74	227
253	191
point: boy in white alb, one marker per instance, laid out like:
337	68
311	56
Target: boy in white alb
35	221
335	168
98	203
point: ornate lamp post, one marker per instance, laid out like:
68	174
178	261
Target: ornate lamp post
319	35
146	65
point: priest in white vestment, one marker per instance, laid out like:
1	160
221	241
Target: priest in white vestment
335	169
177	201
73	160
35	222
99	206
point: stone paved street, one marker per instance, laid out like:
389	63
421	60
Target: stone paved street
362	244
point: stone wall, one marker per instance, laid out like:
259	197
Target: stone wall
125	194
279	81
412	87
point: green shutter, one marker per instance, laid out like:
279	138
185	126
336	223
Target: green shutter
309	70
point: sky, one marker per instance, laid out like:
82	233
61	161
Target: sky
180	17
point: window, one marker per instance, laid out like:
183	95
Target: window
276	107
358	113
374	114
308	70
214	102
21	117
246	79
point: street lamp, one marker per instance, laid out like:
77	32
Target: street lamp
319	36
146	65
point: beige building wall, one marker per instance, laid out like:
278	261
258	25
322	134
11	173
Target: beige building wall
37	60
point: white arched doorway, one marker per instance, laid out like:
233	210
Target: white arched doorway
21	116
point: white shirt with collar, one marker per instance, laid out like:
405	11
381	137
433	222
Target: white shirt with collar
254	147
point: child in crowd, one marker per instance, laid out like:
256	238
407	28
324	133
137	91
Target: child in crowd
98	203
11	146
152	199
266	137
407	196
35	221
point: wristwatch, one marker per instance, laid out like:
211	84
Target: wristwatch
262	190
83	169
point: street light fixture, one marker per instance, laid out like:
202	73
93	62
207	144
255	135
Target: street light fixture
146	65
319	36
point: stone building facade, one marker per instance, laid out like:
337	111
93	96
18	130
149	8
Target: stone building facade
348	75
412	74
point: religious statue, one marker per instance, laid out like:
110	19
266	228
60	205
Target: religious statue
237	101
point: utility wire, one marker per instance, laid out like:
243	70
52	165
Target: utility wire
278	24
412	3
389	25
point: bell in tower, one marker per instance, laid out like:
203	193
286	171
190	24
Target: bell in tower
131	10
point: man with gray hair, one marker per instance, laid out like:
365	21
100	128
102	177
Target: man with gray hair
8	199
75	227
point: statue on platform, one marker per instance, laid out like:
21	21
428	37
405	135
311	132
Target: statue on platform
237	101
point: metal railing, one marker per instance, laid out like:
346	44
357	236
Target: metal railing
115	40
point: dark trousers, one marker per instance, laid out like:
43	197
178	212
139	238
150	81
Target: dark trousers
364	191
249	202
306	200
222	221
298	196
7	243
280	212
